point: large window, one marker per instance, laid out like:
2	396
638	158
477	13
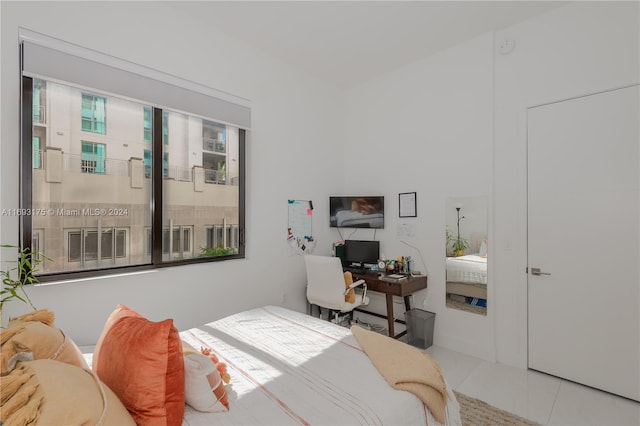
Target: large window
116	200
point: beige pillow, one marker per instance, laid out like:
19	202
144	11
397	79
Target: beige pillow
49	392
35	332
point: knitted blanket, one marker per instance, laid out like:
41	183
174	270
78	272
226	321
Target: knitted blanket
406	368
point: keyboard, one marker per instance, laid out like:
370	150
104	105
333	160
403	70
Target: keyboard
355	270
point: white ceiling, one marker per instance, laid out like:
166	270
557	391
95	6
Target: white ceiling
348	42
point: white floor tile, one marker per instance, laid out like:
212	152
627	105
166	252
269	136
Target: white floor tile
581	405
455	366
536	396
526	393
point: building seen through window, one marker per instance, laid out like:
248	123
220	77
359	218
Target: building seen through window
93	180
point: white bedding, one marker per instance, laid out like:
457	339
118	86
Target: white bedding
348	218
290	368
469	268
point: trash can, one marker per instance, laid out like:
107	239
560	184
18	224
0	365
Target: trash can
420	327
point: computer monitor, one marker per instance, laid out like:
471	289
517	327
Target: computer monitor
360	253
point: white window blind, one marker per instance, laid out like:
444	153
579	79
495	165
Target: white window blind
47	57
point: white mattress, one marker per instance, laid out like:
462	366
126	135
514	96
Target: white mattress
469	268
290	368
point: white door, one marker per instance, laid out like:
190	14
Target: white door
583	236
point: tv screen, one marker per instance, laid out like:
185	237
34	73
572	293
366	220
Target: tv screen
356	212
361	252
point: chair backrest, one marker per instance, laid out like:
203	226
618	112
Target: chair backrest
325	281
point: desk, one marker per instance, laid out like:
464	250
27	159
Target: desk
403	288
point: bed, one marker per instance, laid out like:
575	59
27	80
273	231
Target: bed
291	368
265	366
467	274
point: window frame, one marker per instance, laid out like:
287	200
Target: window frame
158	142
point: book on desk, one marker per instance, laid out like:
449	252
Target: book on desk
395	276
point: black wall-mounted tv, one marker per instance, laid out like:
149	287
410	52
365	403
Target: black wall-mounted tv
356	212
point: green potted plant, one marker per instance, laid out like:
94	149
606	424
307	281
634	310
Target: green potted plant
19	273
217	251
459	246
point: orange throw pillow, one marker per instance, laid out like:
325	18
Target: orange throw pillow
141	361
350	297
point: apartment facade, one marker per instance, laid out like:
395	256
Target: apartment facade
92	183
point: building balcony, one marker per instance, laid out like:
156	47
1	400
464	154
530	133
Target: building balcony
57	164
214	145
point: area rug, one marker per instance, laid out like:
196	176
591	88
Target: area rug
478	413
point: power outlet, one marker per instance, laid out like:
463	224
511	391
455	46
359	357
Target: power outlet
283	297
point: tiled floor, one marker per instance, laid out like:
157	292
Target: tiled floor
538	397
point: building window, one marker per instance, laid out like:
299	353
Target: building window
36	153
147	124
147	164
221	238
215	236
103	215
165	127
37	242
93	157
39	110
84	245
232	237
176	242
94	114
165	164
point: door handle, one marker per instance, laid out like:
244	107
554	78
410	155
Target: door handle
536	271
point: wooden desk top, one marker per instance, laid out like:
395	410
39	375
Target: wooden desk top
401	287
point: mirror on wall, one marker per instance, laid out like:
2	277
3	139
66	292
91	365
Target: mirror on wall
466	253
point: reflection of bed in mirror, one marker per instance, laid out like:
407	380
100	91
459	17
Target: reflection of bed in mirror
467	274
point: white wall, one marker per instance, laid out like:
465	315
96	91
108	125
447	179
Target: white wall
575	50
427	127
285	160
450	125
454	125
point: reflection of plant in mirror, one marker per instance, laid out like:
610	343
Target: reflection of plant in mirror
450	239
217	251
455	245
459	246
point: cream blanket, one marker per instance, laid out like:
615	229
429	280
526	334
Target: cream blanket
406	368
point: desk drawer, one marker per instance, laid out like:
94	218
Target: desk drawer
394	289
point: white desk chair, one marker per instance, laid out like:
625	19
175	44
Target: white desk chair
326	287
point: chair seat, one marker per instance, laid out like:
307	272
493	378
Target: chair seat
326	285
342	307
358	302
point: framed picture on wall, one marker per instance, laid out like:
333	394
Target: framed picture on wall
407	204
